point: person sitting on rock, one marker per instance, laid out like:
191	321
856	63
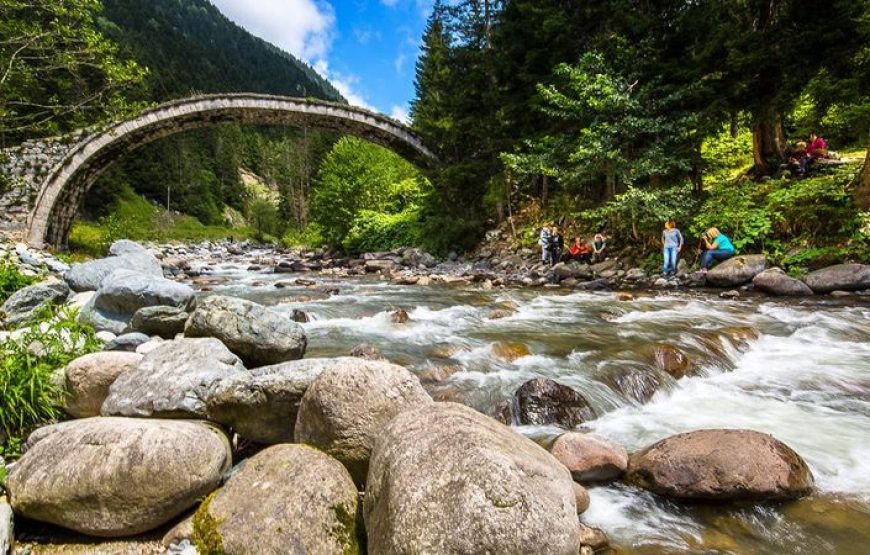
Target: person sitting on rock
544	241
580	250
557	244
718	247
599	248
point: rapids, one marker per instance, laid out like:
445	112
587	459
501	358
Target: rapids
799	370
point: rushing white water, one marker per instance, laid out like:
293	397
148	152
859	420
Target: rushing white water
797	370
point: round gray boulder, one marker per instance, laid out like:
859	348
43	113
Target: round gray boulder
776	282
127	342
115	477
87	380
124	292
444	478
590	457
163	321
288	499
721	465
261	405
173	380
123	255
346	407
260	336
24	303
842	277
737	271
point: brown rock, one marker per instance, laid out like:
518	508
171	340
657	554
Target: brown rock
399	317
509	352
581	496
671	360
721	465
624	296
367	351
88	378
542	401
590	457
434	374
592	537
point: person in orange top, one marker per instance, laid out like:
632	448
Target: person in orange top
817	148
580	250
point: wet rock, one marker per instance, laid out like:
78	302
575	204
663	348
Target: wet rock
87	380
124	255
509	352
305	282
285	499
590	457
447	479
261	405
258	335
733	294
173	380
399	317
721	465
624	296
23	305
128	342
639	384
737	270
542	401
842	277
367	351
594	538
671	360
440	373
350	402
776	282
575	270
163	321
115	477
300	316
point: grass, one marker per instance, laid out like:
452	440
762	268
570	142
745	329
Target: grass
137	219
11	280
31	396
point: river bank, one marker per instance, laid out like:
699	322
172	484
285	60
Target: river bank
648	365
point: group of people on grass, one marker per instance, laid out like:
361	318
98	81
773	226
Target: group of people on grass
717	247
805	153
553	247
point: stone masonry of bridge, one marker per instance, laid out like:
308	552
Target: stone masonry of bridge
42	183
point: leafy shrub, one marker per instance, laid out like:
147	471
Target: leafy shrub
31	396
308	237
11	280
737	209
377	231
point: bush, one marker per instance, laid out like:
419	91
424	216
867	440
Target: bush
310	236
31	397
11	280
377	231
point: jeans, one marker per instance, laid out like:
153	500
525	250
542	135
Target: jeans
670	260
709	256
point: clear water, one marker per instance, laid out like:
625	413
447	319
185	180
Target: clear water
797	370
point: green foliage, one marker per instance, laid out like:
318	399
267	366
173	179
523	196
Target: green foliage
308	237
379	231
31	394
11	280
263	218
737	209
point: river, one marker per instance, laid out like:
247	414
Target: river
799	370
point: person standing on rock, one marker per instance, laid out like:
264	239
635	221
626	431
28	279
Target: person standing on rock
672	241
557	244
544	241
719	247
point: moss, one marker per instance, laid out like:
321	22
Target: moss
348	530
206	536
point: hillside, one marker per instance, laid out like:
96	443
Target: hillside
188	46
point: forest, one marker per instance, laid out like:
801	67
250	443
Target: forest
608	116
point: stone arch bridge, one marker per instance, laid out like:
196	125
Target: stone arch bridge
45	182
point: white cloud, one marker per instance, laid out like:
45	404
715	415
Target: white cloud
345	83
400	113
305	28
389	3
400	62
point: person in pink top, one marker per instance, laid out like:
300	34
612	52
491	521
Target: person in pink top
816	148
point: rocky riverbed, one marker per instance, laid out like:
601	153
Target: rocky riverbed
482	411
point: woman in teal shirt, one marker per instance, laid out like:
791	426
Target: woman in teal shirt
719	247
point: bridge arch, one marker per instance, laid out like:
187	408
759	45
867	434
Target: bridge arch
67	183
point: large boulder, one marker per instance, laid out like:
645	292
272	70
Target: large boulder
590	457
842	277
444	478
350	402
25	303
164	321
542	401
737	271
123	255
260	336
116	477
89	377
776	282
575	270
288	499
721	465
262	405
124	292
173	380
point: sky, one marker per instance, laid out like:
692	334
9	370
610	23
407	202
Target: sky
366	48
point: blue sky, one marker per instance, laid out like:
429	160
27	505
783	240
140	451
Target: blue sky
366	48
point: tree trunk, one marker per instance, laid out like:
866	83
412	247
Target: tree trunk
768	144
545	190
735	124
862	186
